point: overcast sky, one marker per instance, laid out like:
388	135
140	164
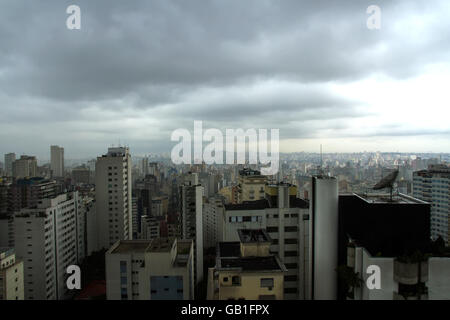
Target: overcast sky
137	70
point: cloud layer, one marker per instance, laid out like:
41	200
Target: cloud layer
137	70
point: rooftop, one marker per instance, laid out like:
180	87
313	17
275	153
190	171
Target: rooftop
229	249
250	236
6	252
377	198
249	172
161	245
229	257
270	263
127	246
249	205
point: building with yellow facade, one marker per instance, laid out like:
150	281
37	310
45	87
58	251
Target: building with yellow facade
246	270
251	185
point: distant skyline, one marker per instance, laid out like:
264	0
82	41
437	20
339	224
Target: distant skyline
138	70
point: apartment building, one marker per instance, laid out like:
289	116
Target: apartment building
246	270
213	209
286	220
191	218
48	240
113	196
158	269
433	186
57	161
11	275
251	185
25	167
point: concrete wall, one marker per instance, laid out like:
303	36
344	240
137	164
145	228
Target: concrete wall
438	279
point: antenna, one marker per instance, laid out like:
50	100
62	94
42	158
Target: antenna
321	161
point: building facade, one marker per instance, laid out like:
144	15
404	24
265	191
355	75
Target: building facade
11	275
246	270
57	161
191	218
113	196
48	240
433	186
25	167
158	269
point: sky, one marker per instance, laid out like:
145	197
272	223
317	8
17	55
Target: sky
138	70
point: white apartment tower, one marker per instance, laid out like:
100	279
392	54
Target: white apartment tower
191	198
57	161
48	240
9	159
433	186
113	196
213	210
324	237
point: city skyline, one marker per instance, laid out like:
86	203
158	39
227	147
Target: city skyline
136	72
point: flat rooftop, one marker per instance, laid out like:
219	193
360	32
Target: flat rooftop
131	246
383	198
161	245
252	264
248	205
229	249
229	258
253	236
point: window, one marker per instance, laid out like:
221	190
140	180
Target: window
123	266
236	281
290	290
266	282
290	278
290	241
291	266
123	293
290	253
290	229
272	229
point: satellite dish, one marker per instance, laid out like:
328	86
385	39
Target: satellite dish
387	182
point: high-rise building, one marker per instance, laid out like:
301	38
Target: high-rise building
158	269
191	219
213	209
57	161
23	193
324	228
246	270
113	196
150	228
144	165
25	167
48	239
81	175
433	186
393	235
11	275
9	159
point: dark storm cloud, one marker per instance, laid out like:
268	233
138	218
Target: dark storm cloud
169	62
